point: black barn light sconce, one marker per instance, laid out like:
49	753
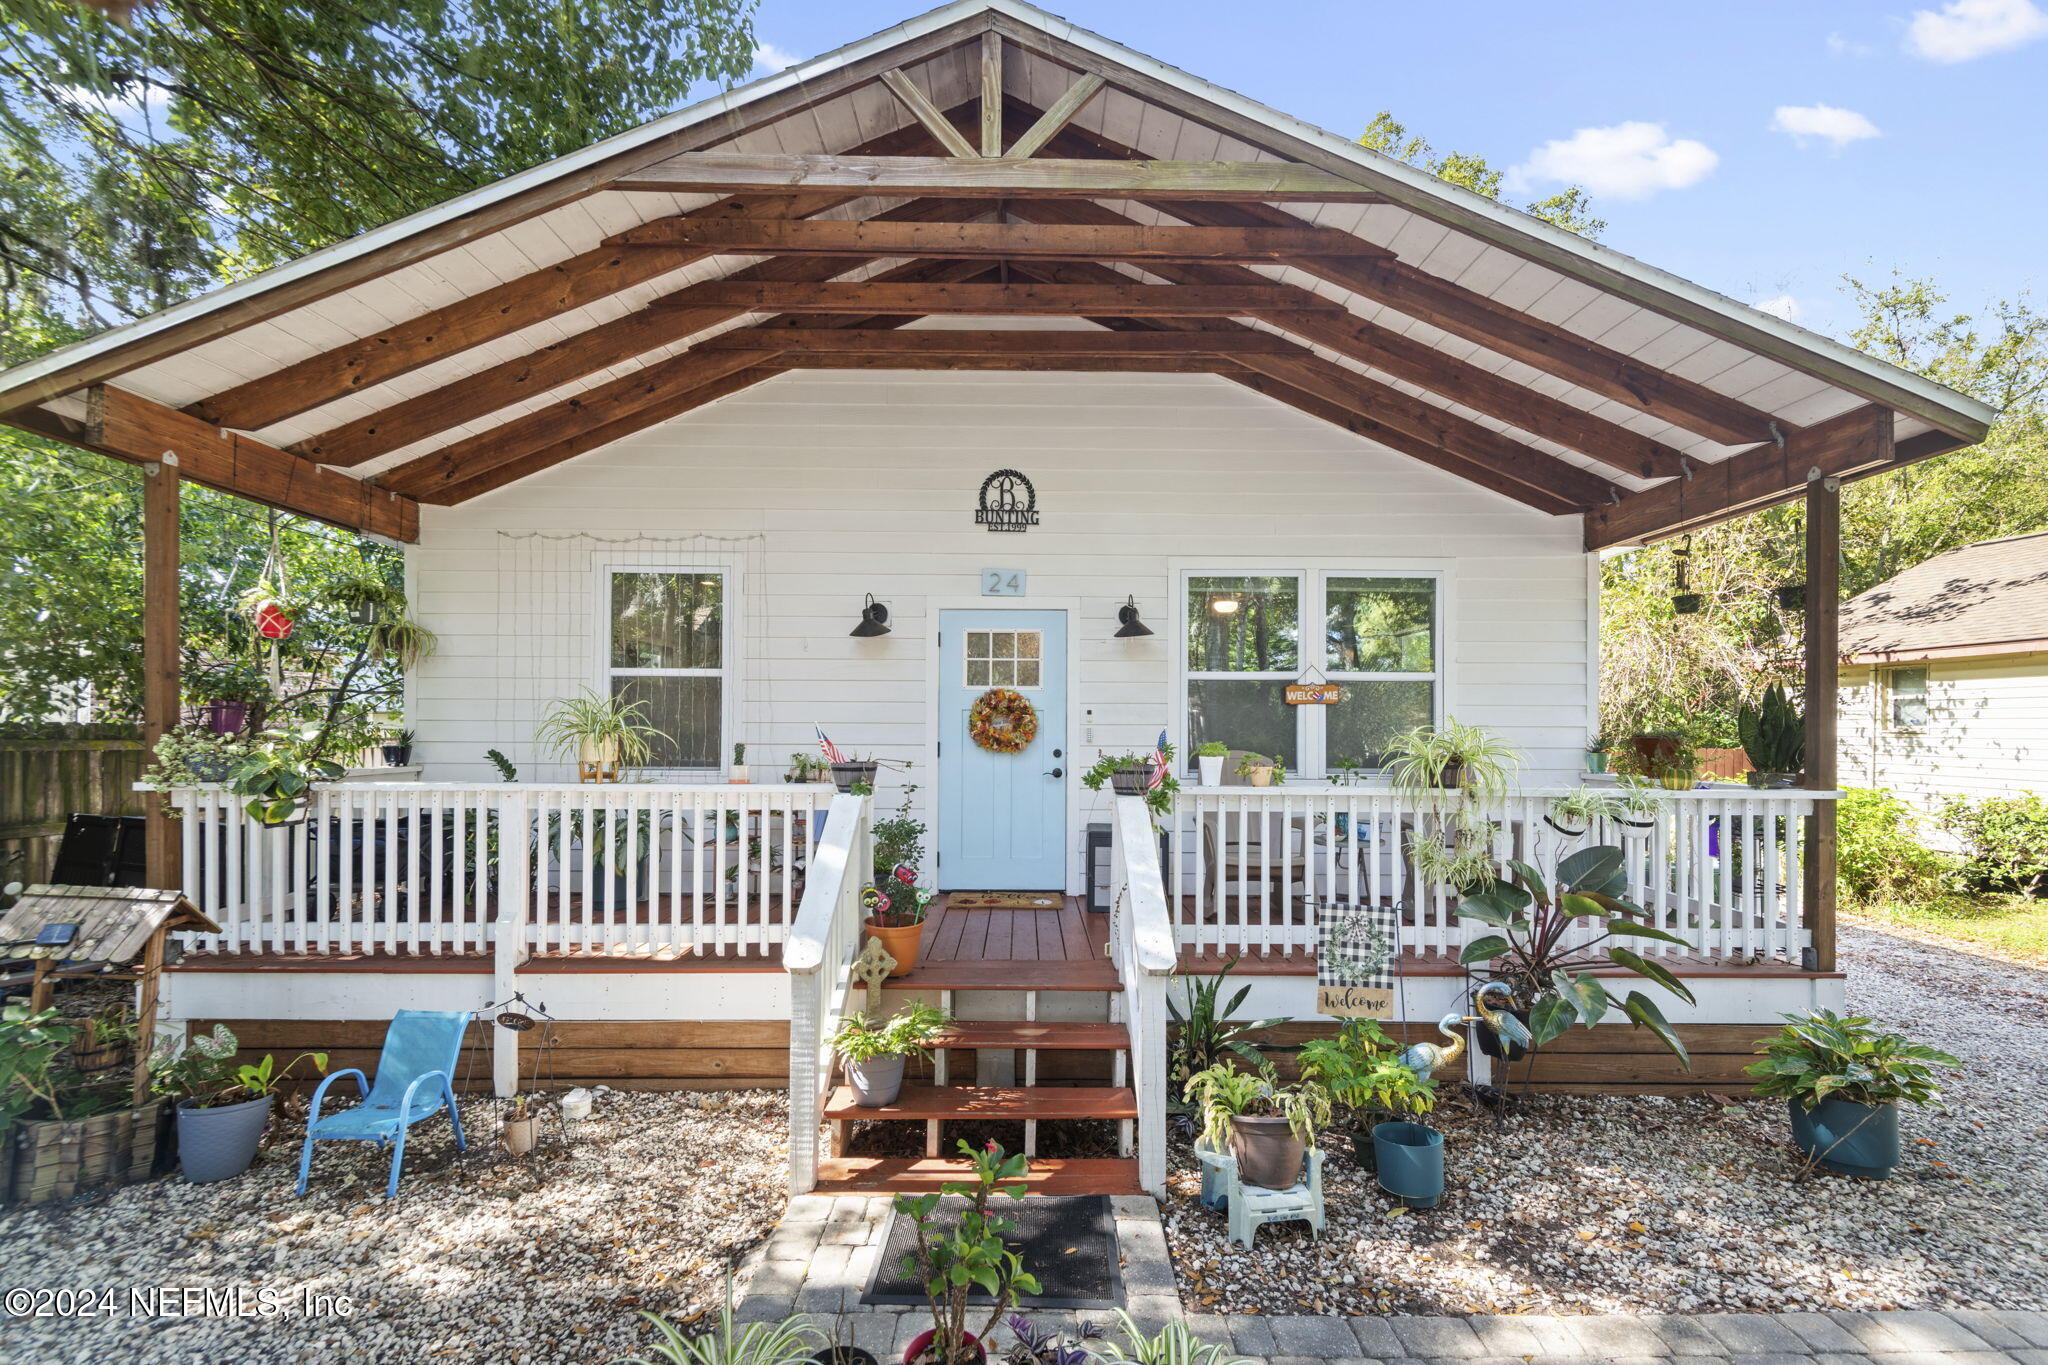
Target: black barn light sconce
874	620
1131	627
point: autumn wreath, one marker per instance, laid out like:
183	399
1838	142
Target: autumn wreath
1002	721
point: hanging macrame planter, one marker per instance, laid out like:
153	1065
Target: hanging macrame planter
1002	721
273	621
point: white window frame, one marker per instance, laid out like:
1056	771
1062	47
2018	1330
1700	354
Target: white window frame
1311	724
1888	715
967	659
730	692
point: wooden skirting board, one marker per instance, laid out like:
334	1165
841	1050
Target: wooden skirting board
623	1054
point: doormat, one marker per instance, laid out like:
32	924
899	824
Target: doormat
1067	1240
1005	900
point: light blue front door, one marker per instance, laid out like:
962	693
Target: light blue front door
1003	817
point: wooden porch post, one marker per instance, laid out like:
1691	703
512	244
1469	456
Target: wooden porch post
1823	678
160	690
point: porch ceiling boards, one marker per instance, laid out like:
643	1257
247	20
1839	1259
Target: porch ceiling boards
983	161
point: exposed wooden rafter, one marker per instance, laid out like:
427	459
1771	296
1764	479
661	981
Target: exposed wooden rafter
130	427
994	241
1058	115
945	342
1126	298
993	177
928	114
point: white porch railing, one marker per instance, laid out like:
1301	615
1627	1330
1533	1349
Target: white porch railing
1719	868
432	868
819	959
1141	943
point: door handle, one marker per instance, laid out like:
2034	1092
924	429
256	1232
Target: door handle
1057	772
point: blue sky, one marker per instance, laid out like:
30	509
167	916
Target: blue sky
1915	132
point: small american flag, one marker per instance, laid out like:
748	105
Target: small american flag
827	747
1159	762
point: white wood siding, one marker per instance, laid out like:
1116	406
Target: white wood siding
866	482
1986	731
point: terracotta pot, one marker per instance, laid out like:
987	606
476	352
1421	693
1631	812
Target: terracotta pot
902	944
922	1342
1268	1153
520	1134
1656	751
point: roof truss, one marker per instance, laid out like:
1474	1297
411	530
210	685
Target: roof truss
994	177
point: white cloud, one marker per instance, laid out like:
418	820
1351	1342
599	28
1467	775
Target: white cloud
1838	126
1842	46
1784	306
137	98
1627	161
773	58
1973	28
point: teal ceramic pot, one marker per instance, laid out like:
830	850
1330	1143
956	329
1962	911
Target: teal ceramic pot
219	1142
1411	1162
1858	1139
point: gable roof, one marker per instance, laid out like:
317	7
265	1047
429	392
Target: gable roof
514	326
1987	598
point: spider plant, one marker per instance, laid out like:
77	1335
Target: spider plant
1425	761
604	723
1173	1344
758	1343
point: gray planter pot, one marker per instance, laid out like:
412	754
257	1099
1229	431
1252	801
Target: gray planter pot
220	1142
876	1083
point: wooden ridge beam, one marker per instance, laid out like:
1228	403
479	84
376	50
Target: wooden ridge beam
1858	442
623	405
1201	362
130	427
1402	358
1126	298
1003	177
994	241
947	342
597	348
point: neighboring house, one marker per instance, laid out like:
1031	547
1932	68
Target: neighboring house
1945	675
984	353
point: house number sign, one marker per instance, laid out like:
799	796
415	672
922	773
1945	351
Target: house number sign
1002	582
1008	502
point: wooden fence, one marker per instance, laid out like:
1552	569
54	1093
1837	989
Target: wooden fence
50	771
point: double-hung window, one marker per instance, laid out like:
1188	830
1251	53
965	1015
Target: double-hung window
1249	635
1905	698
667	647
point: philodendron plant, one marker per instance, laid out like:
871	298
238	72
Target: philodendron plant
1552	978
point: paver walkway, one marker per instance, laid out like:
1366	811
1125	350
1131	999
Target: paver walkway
819	1258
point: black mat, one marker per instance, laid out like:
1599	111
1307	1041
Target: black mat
1067	1241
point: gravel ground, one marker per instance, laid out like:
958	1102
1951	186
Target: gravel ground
481	1259
1612	1204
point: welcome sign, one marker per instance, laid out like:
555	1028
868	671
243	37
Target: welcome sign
1355	951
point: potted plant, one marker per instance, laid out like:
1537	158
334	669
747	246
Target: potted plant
1842	1082
738	775
1667	757
1266	1124
1577	812
190	756
219	1129
1455	777
398	753
896	916
522	1125
1209	760
228	694
63	1127
1173	1344
806	768
1774	736
1135	775
874	1053
275	777
1597	745
1205	1036
1256	769
1362	1071
1550	983
853	774
607	734
787	1342
953	1261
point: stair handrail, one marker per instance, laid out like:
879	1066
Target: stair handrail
818	956
1142	940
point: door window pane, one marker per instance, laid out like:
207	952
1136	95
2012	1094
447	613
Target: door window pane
685	710
1243	714
1380	625
1371	714
668	620
1244	625
1004	658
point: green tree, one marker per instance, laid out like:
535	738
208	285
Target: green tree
1569	208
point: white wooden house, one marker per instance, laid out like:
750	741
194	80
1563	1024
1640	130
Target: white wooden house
1945	676
668	415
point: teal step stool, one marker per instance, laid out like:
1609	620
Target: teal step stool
1250	1207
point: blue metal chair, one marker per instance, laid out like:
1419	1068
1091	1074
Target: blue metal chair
420	1051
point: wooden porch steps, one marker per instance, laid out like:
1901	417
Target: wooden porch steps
925	1102
926	1175
1041	1036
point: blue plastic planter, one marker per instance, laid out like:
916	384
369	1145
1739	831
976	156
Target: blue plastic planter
1411	1162
1858	1139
